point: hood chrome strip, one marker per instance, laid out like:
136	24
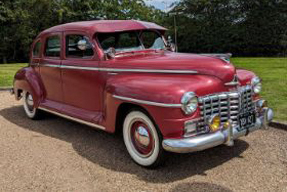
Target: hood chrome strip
122	70
148	102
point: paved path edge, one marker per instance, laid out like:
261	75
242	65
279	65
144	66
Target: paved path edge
5	88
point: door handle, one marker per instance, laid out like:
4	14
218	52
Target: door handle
36	64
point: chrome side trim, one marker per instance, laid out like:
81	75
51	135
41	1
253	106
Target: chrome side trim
148	102
123	70
73	119
148	70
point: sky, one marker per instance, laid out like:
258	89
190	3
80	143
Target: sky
160	4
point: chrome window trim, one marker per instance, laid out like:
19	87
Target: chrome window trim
50	65
122	70
148	102
73	118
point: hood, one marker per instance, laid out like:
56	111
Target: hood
205	65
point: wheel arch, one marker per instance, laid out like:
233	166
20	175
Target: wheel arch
124	108
27	80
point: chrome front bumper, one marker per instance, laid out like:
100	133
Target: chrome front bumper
201	142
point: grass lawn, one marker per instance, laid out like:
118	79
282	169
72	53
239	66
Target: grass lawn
273	72
7	72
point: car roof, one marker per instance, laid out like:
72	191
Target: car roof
105	26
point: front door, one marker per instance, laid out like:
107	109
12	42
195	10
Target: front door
81	78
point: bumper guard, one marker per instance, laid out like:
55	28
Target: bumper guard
227	136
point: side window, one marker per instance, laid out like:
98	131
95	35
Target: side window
152	40
107	40
37	48
72	47
53	46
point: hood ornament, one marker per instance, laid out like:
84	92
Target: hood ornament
234	81
223	56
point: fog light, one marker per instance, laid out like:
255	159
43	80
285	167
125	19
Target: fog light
214	123
226	125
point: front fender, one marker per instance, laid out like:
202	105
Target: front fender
160	88
26	79
244	76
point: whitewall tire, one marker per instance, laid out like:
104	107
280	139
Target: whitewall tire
142	139
30	110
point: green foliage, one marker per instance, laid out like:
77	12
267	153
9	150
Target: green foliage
242	27
22	20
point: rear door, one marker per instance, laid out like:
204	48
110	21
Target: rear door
50	70
36	55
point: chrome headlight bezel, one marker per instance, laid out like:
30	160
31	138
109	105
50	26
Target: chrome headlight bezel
189	103
256	84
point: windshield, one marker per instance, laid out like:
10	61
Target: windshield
131	40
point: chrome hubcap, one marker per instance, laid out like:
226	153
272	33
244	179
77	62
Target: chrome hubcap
142	136
30	102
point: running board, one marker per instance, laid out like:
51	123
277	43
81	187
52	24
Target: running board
73	119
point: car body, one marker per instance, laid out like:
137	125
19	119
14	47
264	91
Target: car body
120	75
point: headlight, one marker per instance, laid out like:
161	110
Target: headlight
189	102
256	84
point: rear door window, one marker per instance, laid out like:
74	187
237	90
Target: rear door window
53	46
37	48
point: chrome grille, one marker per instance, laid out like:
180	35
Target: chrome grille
227	105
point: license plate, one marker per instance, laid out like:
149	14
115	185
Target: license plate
246	120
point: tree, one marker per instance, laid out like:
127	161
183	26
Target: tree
243	27
22	20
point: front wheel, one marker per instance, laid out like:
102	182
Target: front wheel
142	139
30	110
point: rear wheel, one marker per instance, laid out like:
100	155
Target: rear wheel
30	110
142	139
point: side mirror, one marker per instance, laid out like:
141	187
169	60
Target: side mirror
171	47
169	40
82	45
170	44
110	53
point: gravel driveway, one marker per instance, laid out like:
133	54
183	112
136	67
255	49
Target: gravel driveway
55	154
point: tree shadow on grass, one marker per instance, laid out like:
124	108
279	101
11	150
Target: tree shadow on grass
108	150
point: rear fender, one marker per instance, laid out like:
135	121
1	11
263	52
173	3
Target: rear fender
26	79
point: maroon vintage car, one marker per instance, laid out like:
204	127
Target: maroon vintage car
123	75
